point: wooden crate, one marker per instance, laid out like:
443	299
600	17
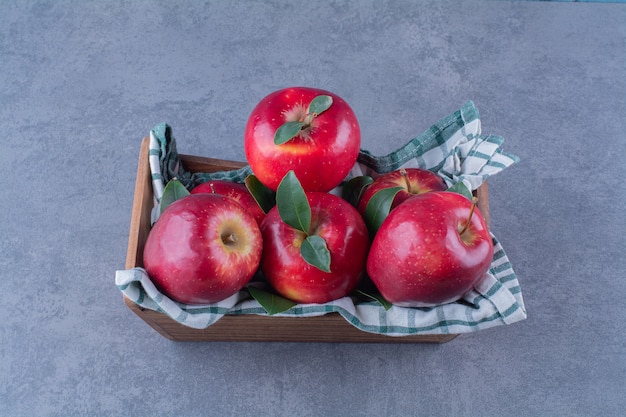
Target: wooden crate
328	328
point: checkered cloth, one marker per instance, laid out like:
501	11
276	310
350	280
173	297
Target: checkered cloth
454	148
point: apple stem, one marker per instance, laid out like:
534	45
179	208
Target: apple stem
229	238
471	213
307	120
406	180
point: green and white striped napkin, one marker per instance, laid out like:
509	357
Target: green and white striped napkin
455	148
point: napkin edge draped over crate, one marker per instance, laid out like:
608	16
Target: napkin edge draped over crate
455	148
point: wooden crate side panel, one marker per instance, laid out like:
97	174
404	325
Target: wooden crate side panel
142	207
203	164
255	328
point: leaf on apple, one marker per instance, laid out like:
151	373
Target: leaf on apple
461	188
315	252
290	130
294	209
272	303
174	190
293	206
264	196
320	104
353	189
287	131
377	209
376	297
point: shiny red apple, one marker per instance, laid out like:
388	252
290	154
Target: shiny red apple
346	237
430	250
411	181
324	146
236	191
203	249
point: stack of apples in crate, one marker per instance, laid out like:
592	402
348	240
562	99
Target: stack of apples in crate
414	240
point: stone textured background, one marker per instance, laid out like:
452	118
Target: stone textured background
82	82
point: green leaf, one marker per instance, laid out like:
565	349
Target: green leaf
272	303
376	297
293	206
320	104
264	196
287	131
315	252
174	190
353	189
461	188
378	208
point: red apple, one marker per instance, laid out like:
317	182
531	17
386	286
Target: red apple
426	253
322	152
203	249
347	240
412	181
236	191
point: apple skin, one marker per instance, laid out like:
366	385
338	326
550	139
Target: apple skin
236	191
321	156
412	180
188	255
347	239
419	259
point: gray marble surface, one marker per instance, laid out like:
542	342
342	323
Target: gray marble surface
82	82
